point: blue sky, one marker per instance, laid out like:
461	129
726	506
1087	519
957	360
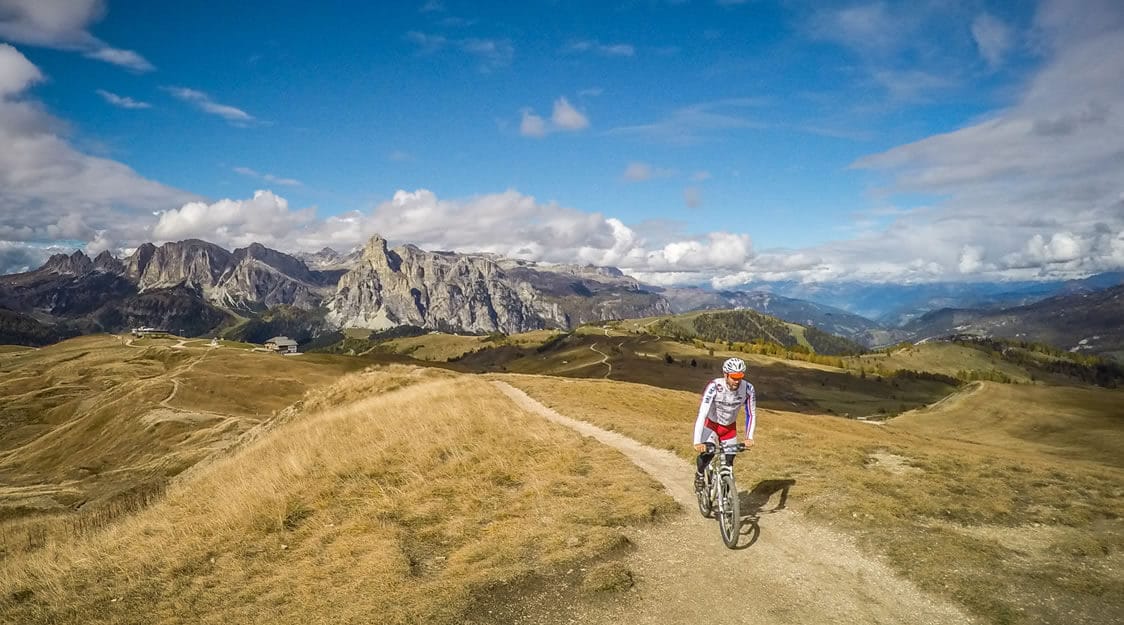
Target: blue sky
686	142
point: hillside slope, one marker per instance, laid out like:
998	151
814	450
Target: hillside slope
342	513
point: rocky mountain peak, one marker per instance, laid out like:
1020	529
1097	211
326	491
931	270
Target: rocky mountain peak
470	292
138	261
377	254
75	264
280	261
107	262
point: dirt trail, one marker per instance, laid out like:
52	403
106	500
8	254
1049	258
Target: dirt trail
174	377
787	570
604	361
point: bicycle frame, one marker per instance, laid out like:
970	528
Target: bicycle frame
719	472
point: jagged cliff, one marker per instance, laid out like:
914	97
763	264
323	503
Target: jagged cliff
475	293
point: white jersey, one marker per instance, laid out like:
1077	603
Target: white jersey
721	406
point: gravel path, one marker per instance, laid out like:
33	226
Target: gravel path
786	570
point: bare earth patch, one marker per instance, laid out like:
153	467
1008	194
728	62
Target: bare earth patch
898	465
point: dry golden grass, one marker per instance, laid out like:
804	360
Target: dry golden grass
439	347
1077	423
433	347
937	357
95	425
406	505
991	509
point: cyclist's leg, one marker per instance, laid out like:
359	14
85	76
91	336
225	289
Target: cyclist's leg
709	436
730	445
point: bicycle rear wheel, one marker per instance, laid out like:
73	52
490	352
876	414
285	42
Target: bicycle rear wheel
729	513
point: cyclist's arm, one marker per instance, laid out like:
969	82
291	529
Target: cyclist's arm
750	411
704	410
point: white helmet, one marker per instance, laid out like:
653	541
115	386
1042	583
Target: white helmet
733	365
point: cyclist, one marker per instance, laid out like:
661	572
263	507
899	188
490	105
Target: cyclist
717	421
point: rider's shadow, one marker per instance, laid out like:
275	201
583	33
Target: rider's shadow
752	505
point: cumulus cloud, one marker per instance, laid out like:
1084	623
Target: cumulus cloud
971	259
51	191
64	26
565	118
122	101
203	102
509	223
265	218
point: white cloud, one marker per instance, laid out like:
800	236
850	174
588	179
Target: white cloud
288	182
971	259
508	223
638	172
265	218
492	53
532	125
566	117
122	101
203	102
51	191
16	72
611	49
64	25
697	123
427	43
125	58
912	85
993	38
701	175
868	28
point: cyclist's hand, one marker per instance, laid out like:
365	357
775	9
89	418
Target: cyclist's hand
701	447
748	443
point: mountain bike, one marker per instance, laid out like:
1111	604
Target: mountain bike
720	495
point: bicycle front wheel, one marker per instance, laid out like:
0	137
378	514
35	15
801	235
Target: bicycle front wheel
706	503
729	517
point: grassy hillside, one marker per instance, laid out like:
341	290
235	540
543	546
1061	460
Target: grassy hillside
99	424
1014	512
747	326
949	359
997	360
397	495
